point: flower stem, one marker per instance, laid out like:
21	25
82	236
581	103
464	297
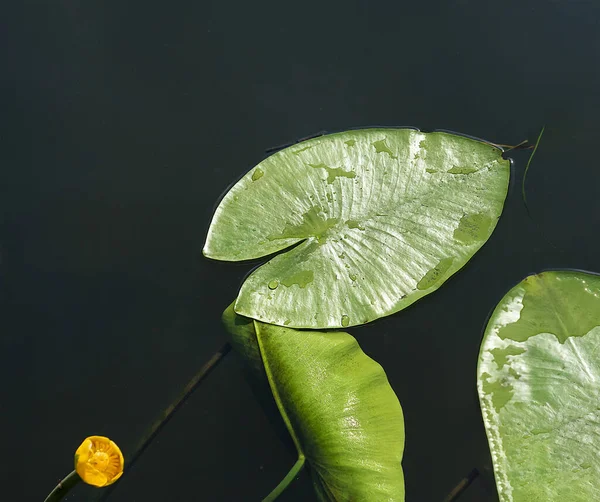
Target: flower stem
286	481
175	405
63	487
167	414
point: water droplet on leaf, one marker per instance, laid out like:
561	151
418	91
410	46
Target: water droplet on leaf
257	174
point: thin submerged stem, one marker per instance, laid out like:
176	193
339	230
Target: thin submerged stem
290	476
462	486
523	145
167	414
63	487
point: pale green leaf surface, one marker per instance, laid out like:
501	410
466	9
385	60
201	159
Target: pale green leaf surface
338	405
539	389
379	217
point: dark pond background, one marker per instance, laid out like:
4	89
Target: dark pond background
121	124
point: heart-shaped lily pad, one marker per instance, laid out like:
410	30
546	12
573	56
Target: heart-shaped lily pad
539	388
371	220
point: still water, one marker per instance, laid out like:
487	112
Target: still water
121	126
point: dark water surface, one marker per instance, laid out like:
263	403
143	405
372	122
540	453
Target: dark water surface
121	123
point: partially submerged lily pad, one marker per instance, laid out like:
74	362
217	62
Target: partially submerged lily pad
370	221
337	404
539	388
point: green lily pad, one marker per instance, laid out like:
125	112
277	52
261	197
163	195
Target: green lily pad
337	404
370	221
539	388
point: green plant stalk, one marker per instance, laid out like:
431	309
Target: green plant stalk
527	167
63	487
300	462
287	480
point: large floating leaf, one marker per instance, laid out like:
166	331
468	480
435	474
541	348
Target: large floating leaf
539	388
337	404
380	218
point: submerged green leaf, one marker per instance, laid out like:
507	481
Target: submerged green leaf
337	404
539	388
379	218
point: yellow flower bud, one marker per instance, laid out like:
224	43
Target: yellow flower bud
99	461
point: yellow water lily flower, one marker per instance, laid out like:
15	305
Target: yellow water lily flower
99	461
